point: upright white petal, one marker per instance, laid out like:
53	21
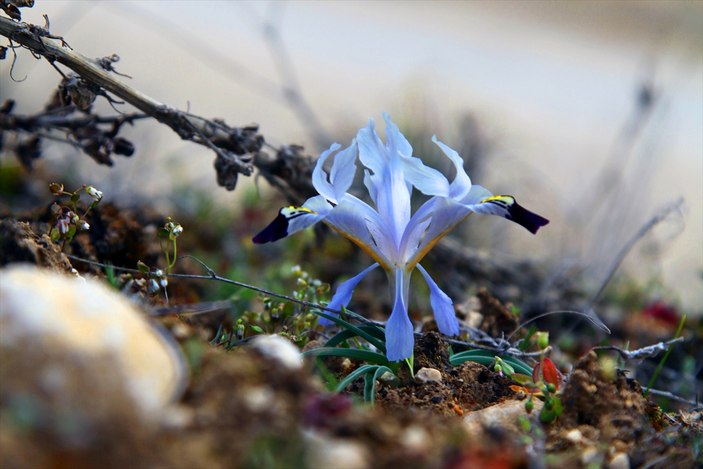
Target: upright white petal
320	178
343	170
461	185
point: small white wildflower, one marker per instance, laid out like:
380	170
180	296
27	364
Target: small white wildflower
164	283
62	226
84	226
177	230
159	273
152	287
94	193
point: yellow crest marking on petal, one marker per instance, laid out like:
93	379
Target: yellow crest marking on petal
505	199
420	254
363	247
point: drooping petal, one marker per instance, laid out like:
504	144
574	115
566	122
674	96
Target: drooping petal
507	207
344	292
399	329
292	219
442	306
445	214
413	236
475	195
361	224
461	185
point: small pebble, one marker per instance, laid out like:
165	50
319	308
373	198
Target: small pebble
619	461
324	451
280	349
415	438
590	455
428	375
575	436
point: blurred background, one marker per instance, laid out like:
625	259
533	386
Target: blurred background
590	113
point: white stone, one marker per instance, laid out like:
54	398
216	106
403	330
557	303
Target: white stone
428	375
590	455
82	332
575	436
619	461
327	452
280	349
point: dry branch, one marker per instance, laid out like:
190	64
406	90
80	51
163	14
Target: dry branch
231	144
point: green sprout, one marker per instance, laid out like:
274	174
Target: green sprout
365	343
170	233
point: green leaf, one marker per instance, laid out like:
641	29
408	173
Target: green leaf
358	373
379	344
347	334
143	268
370	384
352	353
486	357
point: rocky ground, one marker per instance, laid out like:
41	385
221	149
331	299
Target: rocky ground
244	404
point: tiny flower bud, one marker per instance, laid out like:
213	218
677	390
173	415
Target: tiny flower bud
84	226
177	230
94	193
543	340
159	273
56	188
62	226
529	405
164	283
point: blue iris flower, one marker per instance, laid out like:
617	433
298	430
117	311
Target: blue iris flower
387	230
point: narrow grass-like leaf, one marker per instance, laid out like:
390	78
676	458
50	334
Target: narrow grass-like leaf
358	373
354	353
370	338
486	357
347	334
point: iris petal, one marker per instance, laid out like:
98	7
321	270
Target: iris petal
292	219
442	306
344	292
427	180
507	207
461	185
445	214
395	140
354	219
320	177
399	330
343	170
